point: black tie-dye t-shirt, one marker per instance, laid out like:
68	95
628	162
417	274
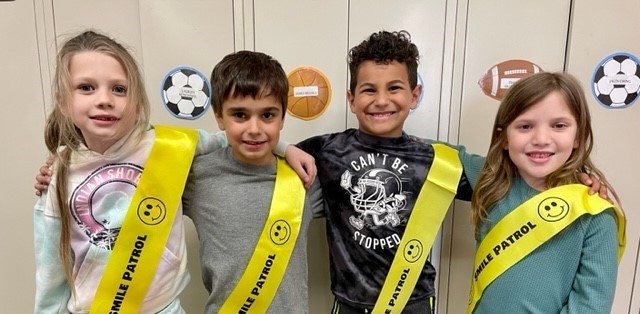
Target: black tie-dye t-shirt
370	185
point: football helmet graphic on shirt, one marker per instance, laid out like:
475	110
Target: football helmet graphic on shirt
377	198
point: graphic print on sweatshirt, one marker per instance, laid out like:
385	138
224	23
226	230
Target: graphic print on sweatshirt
99	204
375	185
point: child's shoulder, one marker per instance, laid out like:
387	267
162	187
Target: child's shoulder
328	138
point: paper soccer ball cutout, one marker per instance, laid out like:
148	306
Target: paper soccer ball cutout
186	93
616	81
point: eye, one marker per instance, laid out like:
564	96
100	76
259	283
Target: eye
395	87
238	115
561	125
524	126
85	87
268	115
368	90
119	89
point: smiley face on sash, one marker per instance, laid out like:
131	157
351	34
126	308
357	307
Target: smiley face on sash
553	209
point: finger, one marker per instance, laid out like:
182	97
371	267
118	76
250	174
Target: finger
50	160
604	193
44	170
43	179
38	188
304	176
312	178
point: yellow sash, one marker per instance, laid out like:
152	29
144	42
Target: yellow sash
530	225
427	215
147	224
266	268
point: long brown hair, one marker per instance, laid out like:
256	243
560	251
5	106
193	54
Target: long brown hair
62	137
498	171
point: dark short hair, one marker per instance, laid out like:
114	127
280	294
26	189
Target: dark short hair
248	73
384	47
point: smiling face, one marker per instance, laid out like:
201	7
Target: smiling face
541	139
151	211
280	232
252	127
553	209
383	98
413	250
99	99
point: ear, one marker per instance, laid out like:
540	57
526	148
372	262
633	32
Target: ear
282	122
220	122
415	96
350	98
63	109
505	144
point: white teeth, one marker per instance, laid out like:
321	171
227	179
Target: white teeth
539	155
383	114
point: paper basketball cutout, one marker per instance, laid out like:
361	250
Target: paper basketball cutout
309	93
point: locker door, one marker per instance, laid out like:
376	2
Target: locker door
22	126
598	31
193	33
120	19
300	33
495	32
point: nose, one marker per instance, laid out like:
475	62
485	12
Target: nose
253	126
382	98
105	98
540	136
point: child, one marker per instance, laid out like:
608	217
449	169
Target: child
371	179
542	138
99	133
244	239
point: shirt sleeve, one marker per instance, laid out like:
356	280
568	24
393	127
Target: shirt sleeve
314	145
52	288
316	200
594	285
471	163
209	142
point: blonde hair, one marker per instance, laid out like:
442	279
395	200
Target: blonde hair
498	171
62	137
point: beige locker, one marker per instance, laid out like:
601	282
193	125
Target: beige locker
23	150
598	31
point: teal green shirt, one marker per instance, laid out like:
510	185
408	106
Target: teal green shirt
573	272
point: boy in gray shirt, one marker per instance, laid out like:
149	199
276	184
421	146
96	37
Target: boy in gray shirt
229	192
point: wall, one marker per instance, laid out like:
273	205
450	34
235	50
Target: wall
458	40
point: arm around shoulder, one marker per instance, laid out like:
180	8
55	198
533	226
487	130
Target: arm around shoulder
472	163
209	142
